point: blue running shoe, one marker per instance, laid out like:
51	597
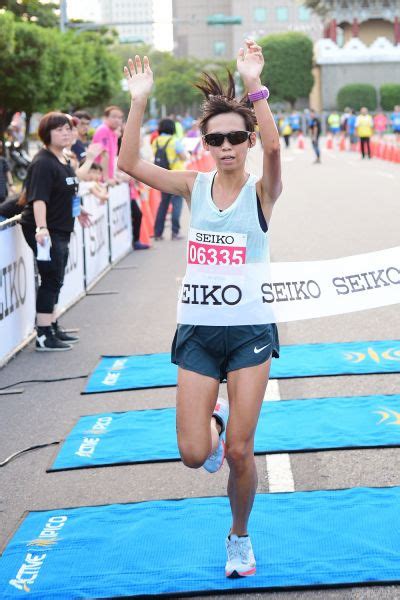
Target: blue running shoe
215	461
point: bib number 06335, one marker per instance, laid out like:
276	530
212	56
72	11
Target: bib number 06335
209	254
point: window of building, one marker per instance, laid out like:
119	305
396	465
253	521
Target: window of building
304	13
282	13
219	48
260	15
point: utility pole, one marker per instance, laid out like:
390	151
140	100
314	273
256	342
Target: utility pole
63	15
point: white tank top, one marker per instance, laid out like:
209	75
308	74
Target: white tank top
227	260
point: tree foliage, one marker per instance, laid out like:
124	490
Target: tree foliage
356	95
33	11
288	66
174	78
43	69
390	95
318	6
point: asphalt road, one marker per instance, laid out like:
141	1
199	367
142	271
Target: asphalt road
343	206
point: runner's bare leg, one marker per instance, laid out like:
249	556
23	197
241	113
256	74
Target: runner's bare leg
246	391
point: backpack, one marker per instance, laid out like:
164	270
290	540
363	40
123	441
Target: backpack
160	157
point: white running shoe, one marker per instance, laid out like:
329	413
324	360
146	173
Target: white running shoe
215	461
241	561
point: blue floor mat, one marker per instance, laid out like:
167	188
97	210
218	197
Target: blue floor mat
287	426
300	540
115	373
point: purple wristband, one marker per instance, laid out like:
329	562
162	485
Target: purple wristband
261	94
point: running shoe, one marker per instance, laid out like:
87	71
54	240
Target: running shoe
215	461
241	561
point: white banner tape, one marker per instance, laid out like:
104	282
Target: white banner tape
246	294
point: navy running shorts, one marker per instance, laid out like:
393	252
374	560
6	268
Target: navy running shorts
215	350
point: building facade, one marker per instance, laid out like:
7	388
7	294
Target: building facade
134	19
361	45
194	37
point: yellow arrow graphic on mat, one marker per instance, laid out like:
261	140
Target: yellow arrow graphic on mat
386	413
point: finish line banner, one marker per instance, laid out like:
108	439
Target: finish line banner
244	294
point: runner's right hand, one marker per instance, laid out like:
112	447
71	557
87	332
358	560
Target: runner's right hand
139	78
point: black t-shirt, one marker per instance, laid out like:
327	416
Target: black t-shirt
4	168
56	184
315	126
79	149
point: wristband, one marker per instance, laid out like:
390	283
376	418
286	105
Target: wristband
38	229
261	94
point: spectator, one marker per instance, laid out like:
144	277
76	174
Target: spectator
364	126
334	122
93	184
315	132
380	123
285	130
82	141
175	154
107	136
395	121
51	205
6	180
136	215
295	122
351	127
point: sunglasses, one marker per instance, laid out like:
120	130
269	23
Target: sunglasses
233	137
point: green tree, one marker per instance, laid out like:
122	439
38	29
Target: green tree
43	69
33	11
356	95
288	66
318	6
390	95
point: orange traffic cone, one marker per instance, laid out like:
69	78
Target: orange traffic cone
342	144
300	142
329	142
147	216
154	201
144	233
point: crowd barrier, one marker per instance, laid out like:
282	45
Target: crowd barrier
92	252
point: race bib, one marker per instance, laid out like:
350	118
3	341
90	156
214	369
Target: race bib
76	206
216	248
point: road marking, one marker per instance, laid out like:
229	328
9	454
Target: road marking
383	174
279	470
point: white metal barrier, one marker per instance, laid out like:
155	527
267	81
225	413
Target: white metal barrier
91	253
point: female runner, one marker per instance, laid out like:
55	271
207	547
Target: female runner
223	330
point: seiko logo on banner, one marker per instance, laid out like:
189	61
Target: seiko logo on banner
119	218
73	254
290	290
13	287
96	236
367	281
211	294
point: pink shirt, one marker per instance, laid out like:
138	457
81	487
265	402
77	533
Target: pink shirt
380	122
109	140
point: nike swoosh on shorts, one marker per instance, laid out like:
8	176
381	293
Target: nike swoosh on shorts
258	350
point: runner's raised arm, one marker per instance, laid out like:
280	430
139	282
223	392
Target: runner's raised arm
140	83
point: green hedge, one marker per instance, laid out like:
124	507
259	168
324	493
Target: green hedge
357	95
390	95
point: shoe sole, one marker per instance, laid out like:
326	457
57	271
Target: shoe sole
222	462
53	349
70	341
238	574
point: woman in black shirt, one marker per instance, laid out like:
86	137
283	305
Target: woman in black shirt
47	221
